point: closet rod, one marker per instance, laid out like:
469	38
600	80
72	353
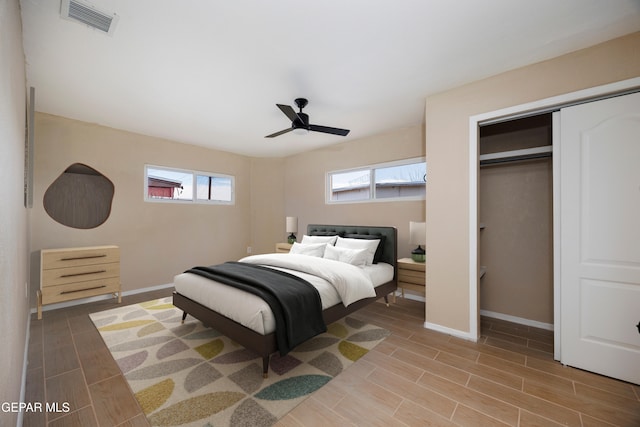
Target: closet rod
514	159
516	155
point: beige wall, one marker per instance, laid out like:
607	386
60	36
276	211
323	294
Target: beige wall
447	150
305	176
267	204
14	307
157	240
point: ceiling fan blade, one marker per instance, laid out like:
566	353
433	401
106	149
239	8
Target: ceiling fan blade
327	129
289	112
279	133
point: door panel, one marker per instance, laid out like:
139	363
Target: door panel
610	180
603	318
600	236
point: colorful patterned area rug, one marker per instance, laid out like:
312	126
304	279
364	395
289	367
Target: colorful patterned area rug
191	375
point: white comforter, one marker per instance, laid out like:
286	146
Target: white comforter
351	282
335	281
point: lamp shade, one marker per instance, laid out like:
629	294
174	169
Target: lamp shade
292	224
417	233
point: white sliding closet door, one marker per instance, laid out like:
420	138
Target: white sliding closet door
600	236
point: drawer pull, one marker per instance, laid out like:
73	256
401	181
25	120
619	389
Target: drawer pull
84	274
82	290
83	257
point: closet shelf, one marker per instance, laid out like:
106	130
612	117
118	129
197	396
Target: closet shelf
516	155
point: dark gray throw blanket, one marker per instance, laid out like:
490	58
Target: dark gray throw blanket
295	303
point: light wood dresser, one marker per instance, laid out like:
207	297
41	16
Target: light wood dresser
411	275
72	273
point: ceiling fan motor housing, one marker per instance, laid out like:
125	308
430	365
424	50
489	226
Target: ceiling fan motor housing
302	122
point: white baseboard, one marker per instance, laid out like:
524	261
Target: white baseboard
454	332
99	298
519	320
407	295
435	327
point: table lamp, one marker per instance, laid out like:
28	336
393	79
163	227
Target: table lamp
417	236
292	228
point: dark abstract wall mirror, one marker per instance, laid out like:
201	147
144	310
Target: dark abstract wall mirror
80	198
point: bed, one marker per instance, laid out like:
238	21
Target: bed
218	305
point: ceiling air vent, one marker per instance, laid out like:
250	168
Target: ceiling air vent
87	14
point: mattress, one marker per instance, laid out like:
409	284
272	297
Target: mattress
252	311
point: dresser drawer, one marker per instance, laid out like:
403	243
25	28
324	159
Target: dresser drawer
61	258
283	248
84	289
83	273
411	276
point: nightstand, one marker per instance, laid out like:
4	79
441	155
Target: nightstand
283	248
411	276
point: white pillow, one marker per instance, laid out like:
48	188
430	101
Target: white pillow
369	245
316	249
330	240
357	257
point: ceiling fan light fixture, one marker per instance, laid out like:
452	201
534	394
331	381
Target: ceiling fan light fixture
300	122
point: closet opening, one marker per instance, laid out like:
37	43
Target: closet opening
515	216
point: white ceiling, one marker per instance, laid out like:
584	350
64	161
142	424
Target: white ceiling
209	72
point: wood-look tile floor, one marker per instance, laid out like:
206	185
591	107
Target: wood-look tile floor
416	377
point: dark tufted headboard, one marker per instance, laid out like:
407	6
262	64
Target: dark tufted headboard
390	252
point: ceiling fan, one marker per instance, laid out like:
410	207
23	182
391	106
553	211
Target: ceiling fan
300	121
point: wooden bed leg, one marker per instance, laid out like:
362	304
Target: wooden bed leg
184	316
386	300
265	367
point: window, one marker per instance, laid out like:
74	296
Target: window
401	180
164	184
350	186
